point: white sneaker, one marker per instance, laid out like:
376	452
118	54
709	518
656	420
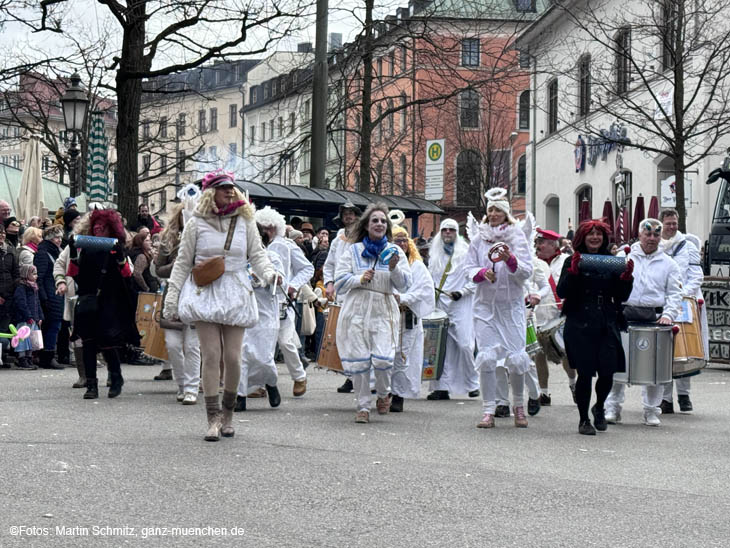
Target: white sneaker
190	398
613	417
180	394
651	418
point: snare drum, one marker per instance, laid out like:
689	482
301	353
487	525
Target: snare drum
531	345
648	349
689	353
550	337
435	333
328	356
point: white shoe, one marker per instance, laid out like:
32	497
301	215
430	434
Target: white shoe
651	418
613	417
190	398
180	394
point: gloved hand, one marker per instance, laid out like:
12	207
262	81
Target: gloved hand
627	274
118	252
455	295
574	262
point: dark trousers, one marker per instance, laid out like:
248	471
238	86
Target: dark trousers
111	355
62	342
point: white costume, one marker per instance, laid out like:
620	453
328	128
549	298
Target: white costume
369	321
657	283
338	246
447	271
683	249
406	379
259	342
499	309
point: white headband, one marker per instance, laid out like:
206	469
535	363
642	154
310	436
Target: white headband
449	223
497	197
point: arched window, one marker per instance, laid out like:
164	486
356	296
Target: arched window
584	80
468	178
524	117
522	175
552	110
584	203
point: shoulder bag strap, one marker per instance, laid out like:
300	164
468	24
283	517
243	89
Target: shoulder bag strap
446	273
231	230
679	247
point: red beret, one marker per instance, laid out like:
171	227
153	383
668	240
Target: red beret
548	234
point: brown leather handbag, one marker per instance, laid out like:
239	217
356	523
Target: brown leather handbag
209	270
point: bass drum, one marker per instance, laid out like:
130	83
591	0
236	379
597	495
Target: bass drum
329	357
689	351
435	333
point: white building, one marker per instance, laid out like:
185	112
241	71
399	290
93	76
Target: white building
600	66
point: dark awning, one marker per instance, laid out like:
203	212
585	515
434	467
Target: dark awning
321	202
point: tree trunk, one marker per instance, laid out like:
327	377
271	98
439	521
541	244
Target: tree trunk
367	84
679	142
129	98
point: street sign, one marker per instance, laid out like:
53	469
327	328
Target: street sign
434	169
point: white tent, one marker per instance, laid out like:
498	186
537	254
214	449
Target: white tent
30	200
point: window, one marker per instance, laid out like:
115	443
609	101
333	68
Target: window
470	52
553	107
263	131
403	174
232	115
163	127
252	134
525	6
181	124
16	161
253	95
145	165
46	163
163	199
524	115
201	121
403	58
584	80
379	127
271	129
469	108
163	164
232	150
379	70
146	129
214	119
522	175
306	155
403	114
213	154
389	118
391	177
391	65
524	59
468	178
668	31
292	122
623	61
180	161
307	106
584	203
281	126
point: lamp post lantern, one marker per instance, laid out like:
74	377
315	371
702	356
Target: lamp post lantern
74	104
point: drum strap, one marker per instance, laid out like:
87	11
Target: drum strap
554	288
443	276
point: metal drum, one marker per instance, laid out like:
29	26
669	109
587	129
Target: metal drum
649	350
532	346
435	332
603	264
550	337
689	350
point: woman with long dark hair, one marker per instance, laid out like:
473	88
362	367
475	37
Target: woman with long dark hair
594	315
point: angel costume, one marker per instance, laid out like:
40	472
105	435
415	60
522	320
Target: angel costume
368	324
499	307
446	264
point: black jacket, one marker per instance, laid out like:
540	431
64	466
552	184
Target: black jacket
26	305
8	272
44	260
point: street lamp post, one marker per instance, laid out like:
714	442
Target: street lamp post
74	104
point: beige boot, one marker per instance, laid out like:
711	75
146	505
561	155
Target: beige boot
213	409
79	357
229	402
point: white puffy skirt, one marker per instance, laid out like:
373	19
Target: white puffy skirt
229	300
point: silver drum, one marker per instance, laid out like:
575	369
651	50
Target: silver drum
649	351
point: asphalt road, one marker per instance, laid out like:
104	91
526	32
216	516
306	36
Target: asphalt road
306	475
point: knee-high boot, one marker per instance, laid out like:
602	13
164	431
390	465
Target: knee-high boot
229	402
213	410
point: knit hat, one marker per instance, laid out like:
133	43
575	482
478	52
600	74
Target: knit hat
497	197
7	222
68	203
68	217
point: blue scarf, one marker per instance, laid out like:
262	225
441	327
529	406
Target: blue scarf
449	249
372	249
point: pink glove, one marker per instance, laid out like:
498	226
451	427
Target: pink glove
480	276
511	263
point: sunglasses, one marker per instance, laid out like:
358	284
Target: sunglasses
652	228
400	240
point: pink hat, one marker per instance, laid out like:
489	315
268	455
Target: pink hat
217	178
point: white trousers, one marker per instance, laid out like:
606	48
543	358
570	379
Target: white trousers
651	397
183	350
361	384
288	346
531	382
683	386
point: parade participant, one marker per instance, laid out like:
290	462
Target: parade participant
258	367
348	216
454	293
499	306
220	304
297	272
66	287
48	251
547	247
415	304
656	292
368	324
183	345
592	307
104	313
687	256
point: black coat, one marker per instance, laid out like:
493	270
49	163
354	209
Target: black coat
114	323
594	315
8	275
26	305
44	260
